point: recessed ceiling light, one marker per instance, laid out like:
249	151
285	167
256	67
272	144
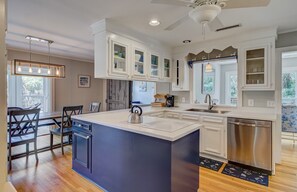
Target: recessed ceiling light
186	41
154	22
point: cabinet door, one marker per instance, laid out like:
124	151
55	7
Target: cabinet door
180	75
257	68
139	60
166	69
119	58
155	66
212	142
81	151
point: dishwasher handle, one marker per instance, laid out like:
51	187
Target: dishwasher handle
248	124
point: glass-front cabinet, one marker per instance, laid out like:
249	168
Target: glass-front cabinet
255	66
139	69
166	68
257	74
119	58
154	66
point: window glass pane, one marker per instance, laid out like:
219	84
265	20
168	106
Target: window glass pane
289	87
26	91
208	81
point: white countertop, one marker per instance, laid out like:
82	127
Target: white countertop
258	114
161	128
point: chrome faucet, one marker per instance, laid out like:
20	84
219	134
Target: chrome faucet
210	104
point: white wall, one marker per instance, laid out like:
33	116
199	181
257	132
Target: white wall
3	123
66	91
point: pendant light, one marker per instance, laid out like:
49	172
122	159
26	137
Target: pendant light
35	68
208	67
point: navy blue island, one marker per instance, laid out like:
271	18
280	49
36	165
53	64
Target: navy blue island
159	155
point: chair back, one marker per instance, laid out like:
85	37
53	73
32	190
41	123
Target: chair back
13	109
23	122
95	107
68	112
35	106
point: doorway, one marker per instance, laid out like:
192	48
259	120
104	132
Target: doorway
118	95
289	96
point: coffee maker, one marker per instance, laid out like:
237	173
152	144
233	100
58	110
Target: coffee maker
169	100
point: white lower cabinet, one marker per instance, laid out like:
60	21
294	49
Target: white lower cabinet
213	133
214	136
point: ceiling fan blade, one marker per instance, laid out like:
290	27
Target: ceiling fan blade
215	24
231	4
172	2
177	23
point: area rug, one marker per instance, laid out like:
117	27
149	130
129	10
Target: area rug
246	174
210	164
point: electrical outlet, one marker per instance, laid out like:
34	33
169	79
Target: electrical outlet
251	102
270	103
183	100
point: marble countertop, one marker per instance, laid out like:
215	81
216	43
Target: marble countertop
161	128
259	114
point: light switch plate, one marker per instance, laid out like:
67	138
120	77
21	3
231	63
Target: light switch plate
251	102
270	103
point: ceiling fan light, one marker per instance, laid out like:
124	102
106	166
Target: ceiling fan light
205	13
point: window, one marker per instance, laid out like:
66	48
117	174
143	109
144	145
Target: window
220	82
25	91
231	88
289	87
208	81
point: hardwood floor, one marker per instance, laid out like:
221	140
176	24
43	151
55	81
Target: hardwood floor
54	173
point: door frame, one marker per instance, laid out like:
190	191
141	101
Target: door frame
278	98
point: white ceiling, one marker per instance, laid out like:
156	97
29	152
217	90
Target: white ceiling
67	22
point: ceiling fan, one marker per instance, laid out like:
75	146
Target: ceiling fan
206	12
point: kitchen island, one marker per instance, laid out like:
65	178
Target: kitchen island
157	155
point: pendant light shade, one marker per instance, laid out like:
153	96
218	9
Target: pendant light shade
208	68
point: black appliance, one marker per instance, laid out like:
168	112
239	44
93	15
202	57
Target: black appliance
169	101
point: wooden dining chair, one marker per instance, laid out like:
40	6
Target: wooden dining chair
22	129
65	128
95	107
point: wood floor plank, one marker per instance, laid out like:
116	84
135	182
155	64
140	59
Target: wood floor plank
54	174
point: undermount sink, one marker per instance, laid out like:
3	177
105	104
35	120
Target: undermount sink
207	111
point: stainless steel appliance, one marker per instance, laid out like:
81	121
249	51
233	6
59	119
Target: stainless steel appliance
135	115
250	142
169	101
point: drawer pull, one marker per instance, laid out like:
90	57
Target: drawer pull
82	136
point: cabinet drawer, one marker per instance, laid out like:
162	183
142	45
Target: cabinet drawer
158	114
190	117
208	119
172	115
82	125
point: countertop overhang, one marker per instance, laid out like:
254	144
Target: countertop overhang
166	129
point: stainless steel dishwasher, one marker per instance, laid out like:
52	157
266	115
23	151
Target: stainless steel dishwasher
250	142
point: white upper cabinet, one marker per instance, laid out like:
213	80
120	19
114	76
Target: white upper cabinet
180	75
155	69
119	57
166	72
139	59
128	55
258	63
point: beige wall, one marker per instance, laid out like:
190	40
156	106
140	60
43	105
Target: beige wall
66	91
3	124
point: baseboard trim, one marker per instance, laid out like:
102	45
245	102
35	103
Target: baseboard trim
8	187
